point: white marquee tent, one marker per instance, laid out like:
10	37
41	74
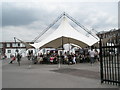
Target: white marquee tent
65	33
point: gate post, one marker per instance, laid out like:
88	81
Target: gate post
101	61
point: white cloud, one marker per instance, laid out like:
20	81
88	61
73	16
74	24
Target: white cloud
100	16
101	19
9	32
25	33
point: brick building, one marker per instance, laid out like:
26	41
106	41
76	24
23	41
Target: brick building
112	33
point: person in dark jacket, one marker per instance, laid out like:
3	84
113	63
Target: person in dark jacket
18	58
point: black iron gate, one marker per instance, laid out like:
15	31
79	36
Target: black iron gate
110	60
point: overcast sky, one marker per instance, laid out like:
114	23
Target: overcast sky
25	20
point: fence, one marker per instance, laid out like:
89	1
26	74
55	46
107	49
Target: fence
110	61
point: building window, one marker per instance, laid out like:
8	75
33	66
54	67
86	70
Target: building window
14	45
1	45
8	44
9	51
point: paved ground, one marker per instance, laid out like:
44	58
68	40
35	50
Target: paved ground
81	75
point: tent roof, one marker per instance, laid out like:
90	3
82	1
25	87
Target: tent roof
65	33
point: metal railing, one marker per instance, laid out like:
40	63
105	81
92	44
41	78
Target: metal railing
110	61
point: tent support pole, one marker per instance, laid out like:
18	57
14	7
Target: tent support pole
69	45
59	65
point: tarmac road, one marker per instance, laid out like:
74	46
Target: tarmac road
81	75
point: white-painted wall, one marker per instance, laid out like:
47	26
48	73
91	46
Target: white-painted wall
13	51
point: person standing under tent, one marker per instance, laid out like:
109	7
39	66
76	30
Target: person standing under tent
92	55
51	59
74	59
70	59
40	58
65	58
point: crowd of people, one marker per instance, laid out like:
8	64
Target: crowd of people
66	58
82	56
